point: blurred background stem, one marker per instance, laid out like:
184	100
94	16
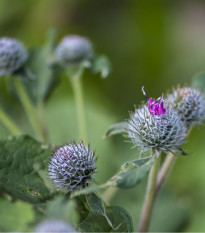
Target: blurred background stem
76	81
8	122
41	115
29	109
150	196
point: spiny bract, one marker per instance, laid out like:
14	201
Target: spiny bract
54	225
158	132
73	50
12	55
72	166
190	104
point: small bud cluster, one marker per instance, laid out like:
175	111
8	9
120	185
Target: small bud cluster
162	125
54	225
12	55
73	50
72	166
190	104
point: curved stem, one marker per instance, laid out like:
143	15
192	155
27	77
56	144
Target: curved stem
165	171
150	196
29	108
78	93
8	122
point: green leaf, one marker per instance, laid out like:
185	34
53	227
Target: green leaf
134	172
199	81
95	222
62	208
114	129
21	160
101	65
120	218
43	74
96	205
15	216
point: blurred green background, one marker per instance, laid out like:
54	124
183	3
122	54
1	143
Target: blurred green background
156	44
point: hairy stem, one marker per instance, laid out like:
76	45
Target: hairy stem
165	171
8	122
150	196
29	108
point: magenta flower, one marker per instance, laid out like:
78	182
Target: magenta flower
155	107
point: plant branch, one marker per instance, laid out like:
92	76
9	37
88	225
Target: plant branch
8	122
29	108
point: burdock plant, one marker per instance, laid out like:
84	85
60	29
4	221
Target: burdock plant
12	55
156	127
72	166
159	126
189	103
54	225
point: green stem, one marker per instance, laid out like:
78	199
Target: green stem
41	115
29	108
166	168
7	121
78	93
109	193
150	195
165	171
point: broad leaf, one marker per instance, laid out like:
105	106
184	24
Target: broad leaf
121	219
117	128
134	172
96	205
21	160
101	64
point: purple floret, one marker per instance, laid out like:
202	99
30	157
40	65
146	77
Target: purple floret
155	107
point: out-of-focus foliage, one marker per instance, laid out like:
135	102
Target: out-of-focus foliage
156	44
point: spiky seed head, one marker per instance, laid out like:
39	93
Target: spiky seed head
12	55
190	104
73	50
53	225
72	166
164	132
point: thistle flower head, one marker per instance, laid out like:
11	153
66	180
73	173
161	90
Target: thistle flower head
72	166
190	104
54	225
73	50
12	55
155	107
157	128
